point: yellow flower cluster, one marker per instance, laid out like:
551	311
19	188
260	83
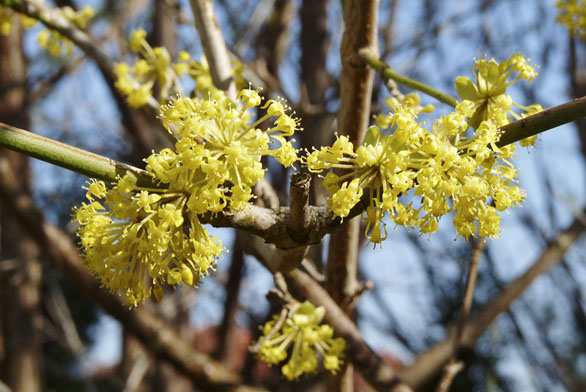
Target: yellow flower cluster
488	93
445	169
154	66
219	148
136	239
572	14
309	338
136	82
54	42
7	18
199	71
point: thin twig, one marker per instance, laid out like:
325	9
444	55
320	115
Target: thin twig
69	157
428	363
280	321
387	73
454	366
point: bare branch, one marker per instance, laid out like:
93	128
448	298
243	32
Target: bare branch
428	363
454	366
214	46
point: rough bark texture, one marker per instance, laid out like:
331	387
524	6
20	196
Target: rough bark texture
20	272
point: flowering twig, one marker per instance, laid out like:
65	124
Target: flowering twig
156	334
387	73
282	318
55	20
374	370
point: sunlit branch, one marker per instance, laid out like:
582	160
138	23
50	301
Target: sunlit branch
387	73
69	157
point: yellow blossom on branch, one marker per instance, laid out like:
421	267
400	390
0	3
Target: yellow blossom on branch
444	169
7	17
217	157
572	14
304	340
54	42
154	66
136	239
488	93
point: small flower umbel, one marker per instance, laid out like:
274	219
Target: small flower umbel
488	93
154	66
219	149
572	14
444	169
137	239
303	339
56	43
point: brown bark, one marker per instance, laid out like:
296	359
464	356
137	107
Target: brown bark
360	34
21	272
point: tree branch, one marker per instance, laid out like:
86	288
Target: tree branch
54	19
428	363
214	46
69	157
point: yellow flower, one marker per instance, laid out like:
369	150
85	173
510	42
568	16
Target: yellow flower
56	43
443	168
572	14
135	240
488	93
218	144
306	338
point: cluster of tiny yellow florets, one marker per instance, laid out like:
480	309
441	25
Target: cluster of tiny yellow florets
135	239
217	157
572	14
310	340
7	17
488	93
154	66
54	42
445	169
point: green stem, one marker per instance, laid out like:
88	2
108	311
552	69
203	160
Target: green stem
68	157
543	121
387	73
